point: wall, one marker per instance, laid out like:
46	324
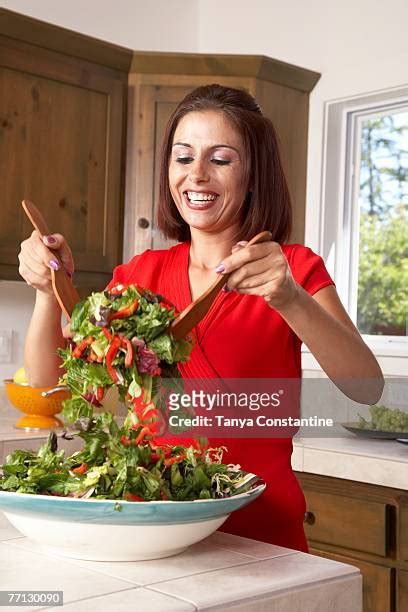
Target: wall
16	305
357	46
137	24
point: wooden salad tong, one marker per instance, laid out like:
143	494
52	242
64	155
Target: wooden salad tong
64	290
192	315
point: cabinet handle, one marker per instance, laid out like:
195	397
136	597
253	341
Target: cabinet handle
143	223
309	518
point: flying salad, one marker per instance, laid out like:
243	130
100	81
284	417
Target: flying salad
122	340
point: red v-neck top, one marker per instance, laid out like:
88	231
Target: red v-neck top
242	337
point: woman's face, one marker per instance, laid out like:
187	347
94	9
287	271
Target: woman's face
206	171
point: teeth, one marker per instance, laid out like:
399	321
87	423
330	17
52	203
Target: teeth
200	197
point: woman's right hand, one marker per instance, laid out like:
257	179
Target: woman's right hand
37	258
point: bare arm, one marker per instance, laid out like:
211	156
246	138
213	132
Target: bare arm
320	321
44	336
324	326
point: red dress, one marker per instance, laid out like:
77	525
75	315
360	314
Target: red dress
225	348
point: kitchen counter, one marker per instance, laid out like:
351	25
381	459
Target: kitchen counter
222	572
379	462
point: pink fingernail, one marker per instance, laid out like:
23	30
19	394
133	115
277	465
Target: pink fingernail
220	269
54	264
50	239
226	289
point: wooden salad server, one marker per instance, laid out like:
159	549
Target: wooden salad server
65	292
190	316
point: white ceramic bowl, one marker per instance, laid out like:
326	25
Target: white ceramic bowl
93	529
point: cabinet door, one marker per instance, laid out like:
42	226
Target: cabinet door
347	522
378	589
403	530
155	105
61	122
402	591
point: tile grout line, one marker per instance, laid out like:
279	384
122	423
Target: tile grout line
177	597
278	593
148	584
74	601
217	569
222	547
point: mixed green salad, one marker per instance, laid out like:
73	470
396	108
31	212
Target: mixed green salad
122	340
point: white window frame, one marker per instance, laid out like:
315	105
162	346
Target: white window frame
338	228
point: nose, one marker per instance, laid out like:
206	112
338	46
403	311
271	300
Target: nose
199	171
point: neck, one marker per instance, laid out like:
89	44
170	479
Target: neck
208	250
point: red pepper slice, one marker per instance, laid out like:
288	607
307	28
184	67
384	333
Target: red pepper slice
100	392
132	497
92	356
110	356
81	469
163	448
80	348
126	312
143	433
171	460
129	352
108	335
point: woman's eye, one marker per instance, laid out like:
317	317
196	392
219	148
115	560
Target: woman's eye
184	160
221	162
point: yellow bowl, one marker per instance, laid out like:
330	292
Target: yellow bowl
39	410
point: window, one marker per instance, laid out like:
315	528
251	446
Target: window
364	228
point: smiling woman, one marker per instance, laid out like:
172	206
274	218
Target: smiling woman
221	184
220	134
206	179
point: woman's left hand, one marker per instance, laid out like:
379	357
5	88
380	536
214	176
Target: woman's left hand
261	269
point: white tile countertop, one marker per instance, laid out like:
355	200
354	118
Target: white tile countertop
222	572
379	462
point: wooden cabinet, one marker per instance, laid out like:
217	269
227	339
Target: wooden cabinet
402	591
66	104
62	142
378	581
366	526
159	81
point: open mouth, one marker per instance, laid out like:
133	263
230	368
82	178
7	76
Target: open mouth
200	200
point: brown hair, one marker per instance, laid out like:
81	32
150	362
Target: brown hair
268	204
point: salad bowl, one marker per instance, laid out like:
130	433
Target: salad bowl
117	530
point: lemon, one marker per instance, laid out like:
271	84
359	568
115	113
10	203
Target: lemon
20	376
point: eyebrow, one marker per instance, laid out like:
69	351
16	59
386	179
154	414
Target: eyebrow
217	146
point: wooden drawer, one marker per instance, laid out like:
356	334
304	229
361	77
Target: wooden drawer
403	533
378	582
347	522
402	591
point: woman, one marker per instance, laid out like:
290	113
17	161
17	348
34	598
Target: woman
221	183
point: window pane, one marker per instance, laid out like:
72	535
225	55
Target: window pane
382	304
